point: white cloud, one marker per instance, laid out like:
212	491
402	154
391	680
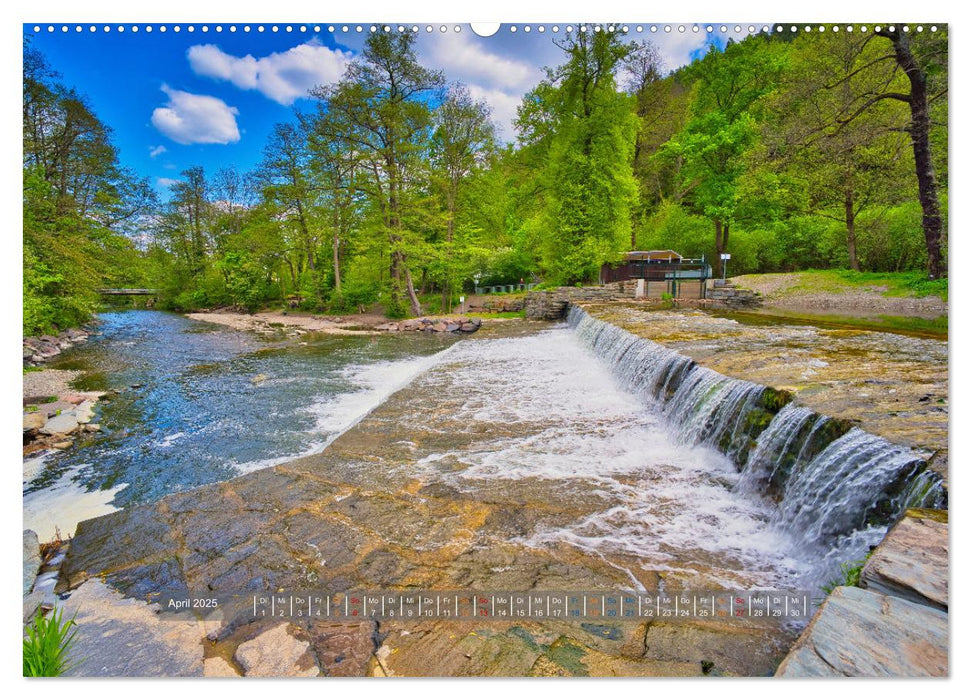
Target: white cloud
504	106
498	79
166	181
189	118
283	77
155	151
464	59
676	47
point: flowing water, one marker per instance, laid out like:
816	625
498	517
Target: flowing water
834	488
645	458
200	403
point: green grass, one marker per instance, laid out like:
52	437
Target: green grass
47	642
936	328
889	284
849	574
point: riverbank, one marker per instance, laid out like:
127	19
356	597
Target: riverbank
291	323
55	414
847	293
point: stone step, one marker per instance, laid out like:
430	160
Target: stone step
857	632
912	560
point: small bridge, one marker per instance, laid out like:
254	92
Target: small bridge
129	292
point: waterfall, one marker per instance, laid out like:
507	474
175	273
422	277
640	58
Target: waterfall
833	483
857	480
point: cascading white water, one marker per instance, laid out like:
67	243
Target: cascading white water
858	477
704	406
785	440
837	488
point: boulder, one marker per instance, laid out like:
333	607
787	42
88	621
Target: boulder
32	559
410	325
440	327
468	328
452	327
84	412
34	421
64	423
92	428
343	649
275	653
912	560
857	632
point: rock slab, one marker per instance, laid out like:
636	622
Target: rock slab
275	653
31	559
857	632
61	424
912	560
118	636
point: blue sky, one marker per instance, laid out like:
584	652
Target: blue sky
211	98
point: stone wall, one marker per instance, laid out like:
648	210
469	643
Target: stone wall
551	304
731	297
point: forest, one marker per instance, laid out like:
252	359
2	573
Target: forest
391	190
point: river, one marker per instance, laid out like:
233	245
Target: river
199	403
590	438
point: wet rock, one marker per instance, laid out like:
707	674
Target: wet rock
92	428
64	423
31	559
912	560
274	654
734	648
84	412
468	328
857	632
343	650
218	667
63	445
34	421
410	325
452	327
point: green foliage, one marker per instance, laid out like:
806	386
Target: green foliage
849	574
393	190
47	644
355	295
585	132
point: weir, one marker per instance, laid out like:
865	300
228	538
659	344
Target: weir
834	487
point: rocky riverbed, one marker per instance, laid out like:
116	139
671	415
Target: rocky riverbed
892	385
41	349
485	473
293	324
55	415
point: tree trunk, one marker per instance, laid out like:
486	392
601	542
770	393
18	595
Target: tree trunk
920	136
449	236
337	261
412	297
850	229
721	241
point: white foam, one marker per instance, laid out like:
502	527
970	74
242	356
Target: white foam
667	504
170	440
334	415
61	506
34	465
